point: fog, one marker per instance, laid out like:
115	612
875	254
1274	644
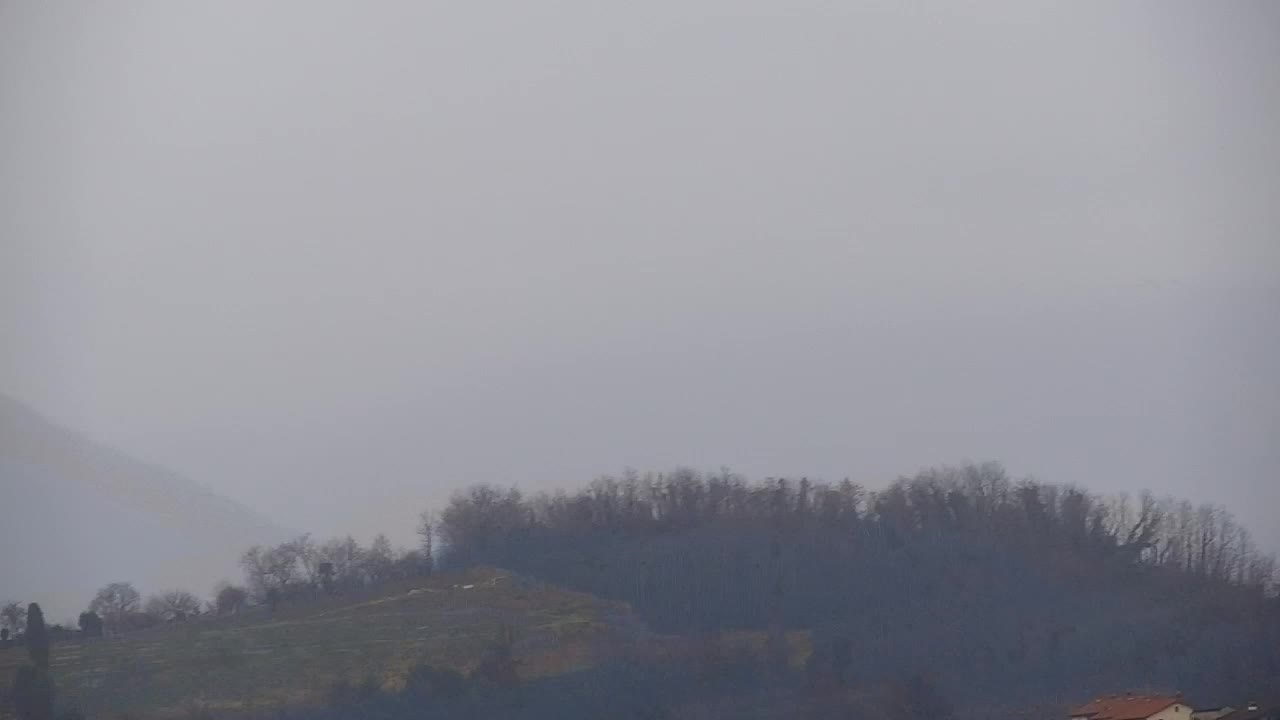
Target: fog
337	260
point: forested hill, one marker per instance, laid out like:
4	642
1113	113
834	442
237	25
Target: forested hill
115	517
1030	590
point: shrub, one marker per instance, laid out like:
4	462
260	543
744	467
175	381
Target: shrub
435	682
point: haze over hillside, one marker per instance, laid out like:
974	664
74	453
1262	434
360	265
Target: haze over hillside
116	518
715	309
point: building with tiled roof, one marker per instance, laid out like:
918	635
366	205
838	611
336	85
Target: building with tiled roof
1134	707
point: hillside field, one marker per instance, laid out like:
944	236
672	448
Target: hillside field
294	656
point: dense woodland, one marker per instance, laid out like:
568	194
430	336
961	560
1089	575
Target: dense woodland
1027	589
981	584
1204	542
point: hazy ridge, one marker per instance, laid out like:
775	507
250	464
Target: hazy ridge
117	518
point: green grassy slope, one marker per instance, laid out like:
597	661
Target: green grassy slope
294	656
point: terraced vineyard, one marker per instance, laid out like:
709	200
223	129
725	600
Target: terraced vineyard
263	660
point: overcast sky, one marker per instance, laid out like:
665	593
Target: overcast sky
337	260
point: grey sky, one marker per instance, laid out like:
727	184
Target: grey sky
335	260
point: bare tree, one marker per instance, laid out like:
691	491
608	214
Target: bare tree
115	603
1137	535
379	560
346	558
294	561
278	568
308	560
173	606
1185	536
13	617
483	519
257	570
1205	533
427	532
1261	572
409	564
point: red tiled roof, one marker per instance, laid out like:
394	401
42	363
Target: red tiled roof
1125	707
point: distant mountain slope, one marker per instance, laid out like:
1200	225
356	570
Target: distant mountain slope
77	515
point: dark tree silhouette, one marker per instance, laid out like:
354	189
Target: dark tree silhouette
37	637
953	571
173	606
90	624
427	532
326	576
32	694
32	686
230	600
116	604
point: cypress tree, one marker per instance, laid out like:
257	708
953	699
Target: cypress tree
37	638
32	685
32	693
